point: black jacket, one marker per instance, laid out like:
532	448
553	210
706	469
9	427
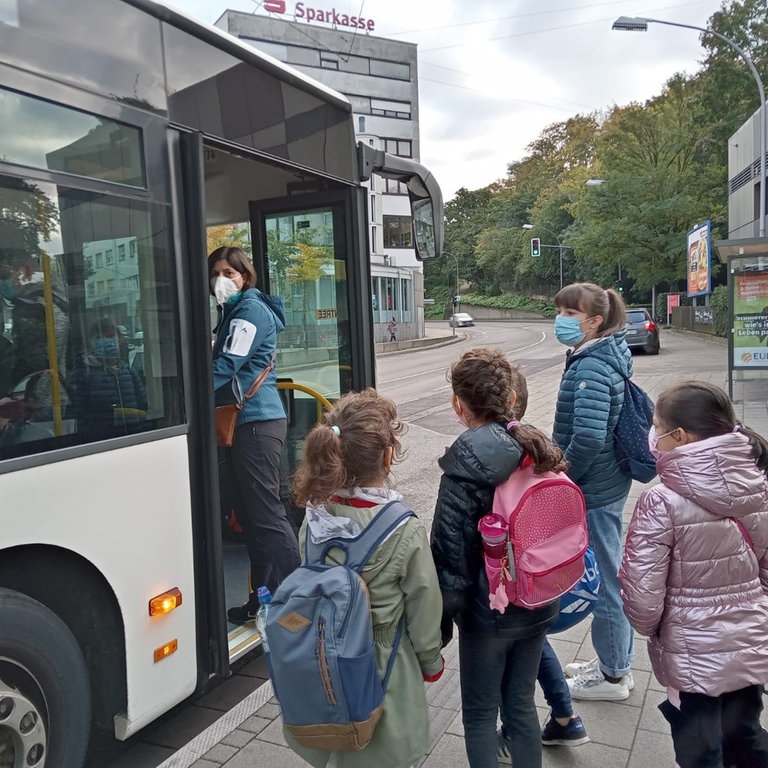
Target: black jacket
473	466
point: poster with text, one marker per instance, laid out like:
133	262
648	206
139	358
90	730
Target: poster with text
699	267
750	320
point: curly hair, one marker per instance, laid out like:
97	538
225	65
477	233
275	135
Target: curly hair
349	448
486	382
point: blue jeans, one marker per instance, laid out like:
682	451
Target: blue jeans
552	682
612	636
499	673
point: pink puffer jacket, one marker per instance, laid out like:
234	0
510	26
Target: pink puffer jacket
690	580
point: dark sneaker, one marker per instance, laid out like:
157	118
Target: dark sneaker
570	735
502	751
242	614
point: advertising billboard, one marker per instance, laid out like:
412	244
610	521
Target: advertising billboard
699	261
750	320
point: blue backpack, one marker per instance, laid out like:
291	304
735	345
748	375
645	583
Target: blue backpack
322	658
579	603
631	434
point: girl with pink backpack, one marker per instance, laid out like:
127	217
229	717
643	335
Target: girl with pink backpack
499	654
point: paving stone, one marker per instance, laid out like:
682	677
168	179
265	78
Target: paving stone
262	754
651	750
238	738
220	753
255	724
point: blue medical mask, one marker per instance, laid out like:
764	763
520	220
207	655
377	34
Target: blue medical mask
568	330
107	346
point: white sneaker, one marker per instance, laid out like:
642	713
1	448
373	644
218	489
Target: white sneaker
577	668
592	686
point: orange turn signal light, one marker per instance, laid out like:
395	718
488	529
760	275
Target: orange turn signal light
164	651
165	603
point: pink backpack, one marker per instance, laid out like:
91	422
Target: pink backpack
543	522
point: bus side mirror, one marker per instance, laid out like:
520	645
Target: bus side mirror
423	191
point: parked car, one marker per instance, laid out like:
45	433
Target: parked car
459	319
642	332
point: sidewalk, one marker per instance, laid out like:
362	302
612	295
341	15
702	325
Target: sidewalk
627	734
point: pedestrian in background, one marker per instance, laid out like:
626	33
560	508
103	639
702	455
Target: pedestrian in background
695	577
591	322
499	654
392	328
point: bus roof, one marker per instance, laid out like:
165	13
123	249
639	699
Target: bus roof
247	53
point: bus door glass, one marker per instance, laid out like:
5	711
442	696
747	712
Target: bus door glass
304	251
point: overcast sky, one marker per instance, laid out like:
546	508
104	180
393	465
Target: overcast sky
494	73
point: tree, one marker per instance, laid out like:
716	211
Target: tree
307	266
234	235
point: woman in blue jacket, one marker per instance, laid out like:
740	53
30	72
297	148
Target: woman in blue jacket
591	321
246	339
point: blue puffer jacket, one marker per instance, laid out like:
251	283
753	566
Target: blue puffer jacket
588	404
473	466
246	338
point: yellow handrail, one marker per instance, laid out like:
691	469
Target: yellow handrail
322	402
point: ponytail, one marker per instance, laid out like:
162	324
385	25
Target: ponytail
321	471
546	456
759	446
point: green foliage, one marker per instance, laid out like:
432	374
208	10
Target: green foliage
511	301
663	165
719	302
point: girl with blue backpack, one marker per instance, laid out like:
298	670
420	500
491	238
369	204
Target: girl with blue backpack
345	483
590	321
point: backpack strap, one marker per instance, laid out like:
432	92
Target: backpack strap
359	549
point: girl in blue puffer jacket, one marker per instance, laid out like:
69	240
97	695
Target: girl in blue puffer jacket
591	321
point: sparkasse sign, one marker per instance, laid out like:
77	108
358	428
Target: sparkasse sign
303	12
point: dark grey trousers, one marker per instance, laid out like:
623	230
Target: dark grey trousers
269	536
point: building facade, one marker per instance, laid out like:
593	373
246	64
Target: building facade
379	76
744	180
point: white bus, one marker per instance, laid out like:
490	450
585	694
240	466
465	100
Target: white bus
132	137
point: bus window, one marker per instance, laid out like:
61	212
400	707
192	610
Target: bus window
89	319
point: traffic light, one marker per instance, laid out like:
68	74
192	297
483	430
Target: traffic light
619	286
455	301
535	246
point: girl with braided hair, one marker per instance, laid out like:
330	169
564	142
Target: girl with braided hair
499	654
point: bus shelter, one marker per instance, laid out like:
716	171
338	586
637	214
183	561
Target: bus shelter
747	264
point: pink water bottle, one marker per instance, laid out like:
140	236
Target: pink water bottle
493	530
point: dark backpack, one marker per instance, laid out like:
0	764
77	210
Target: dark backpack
322	658
631	434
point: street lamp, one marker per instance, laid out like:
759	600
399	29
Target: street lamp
640	24
457	287
559	246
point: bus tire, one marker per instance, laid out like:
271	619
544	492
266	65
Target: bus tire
45	701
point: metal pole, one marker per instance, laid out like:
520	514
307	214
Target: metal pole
559	246
763	117
453	325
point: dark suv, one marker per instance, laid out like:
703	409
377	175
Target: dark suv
642	332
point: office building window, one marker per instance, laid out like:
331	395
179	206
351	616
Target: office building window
329	60
399	109
398	232
399	147
392	69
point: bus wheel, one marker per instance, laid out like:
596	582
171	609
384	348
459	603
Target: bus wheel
45	702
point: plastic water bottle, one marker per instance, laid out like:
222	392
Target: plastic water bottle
493	531
265	598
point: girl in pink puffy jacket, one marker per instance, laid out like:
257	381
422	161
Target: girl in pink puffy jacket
694	577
